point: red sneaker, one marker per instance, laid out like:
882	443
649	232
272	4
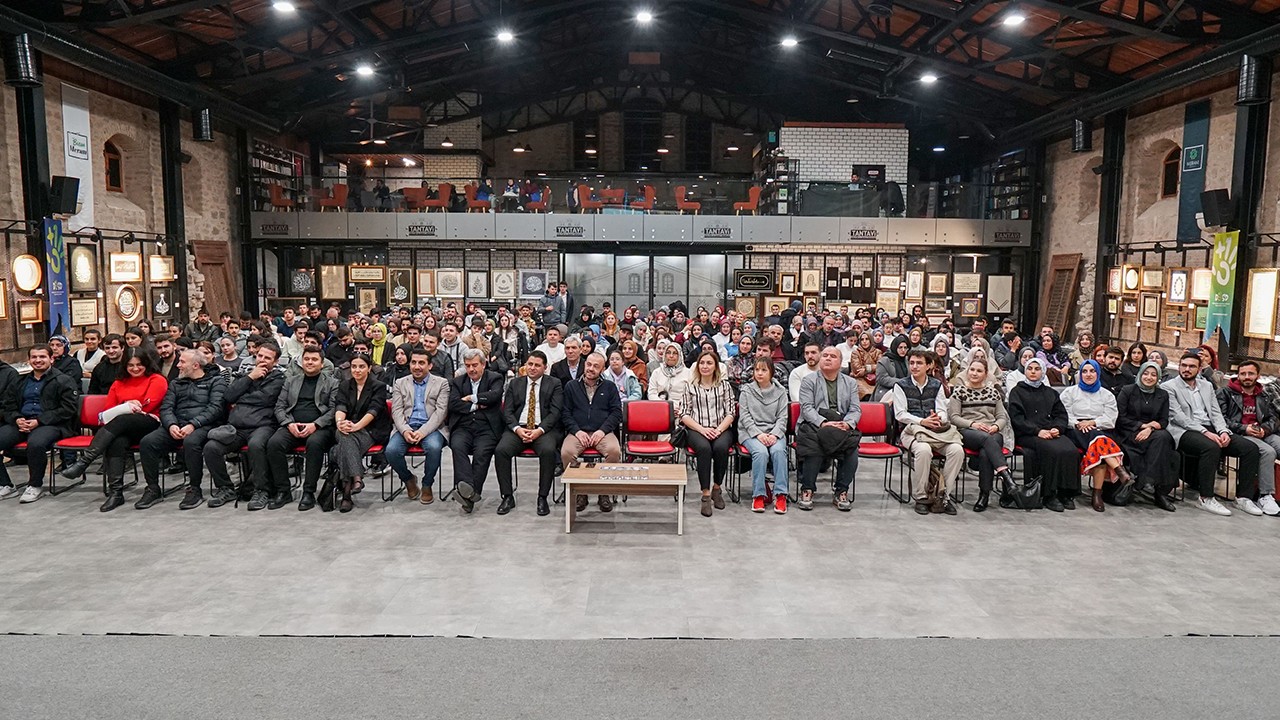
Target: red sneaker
780	504
757	505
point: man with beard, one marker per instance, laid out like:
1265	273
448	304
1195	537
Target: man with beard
106	372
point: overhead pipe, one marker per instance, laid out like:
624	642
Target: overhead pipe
1215	62
50	40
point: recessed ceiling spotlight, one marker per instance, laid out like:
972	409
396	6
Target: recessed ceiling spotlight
790	41
364	70
589	135
1014	19
542	174
644	17
669	136
928	78
513	129
852	99
732	148
506	36
939	148
368	162
446	142
964	137
663	150
379	141
284	6
590	151
644	167
518	148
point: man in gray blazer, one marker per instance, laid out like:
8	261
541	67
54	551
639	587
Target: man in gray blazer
420	413
305	409
1201	432
828	429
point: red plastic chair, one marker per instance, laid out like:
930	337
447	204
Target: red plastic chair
337	200
444	196
415	198
585	202
874	422
752	204
540	206
682	204
650	198
278	200
647	417
474	204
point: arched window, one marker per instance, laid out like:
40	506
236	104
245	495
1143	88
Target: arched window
1169	173
114	165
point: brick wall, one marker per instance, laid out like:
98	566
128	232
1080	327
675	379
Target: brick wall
827	153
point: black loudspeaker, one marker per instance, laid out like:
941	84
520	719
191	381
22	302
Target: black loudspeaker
1216	206
63	194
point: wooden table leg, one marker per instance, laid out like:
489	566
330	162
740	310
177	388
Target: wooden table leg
569	508
680	512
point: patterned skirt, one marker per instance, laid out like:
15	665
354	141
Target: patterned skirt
1100	448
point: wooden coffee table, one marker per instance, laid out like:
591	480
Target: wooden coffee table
663	481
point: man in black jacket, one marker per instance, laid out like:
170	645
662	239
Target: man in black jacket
41	409
592	412
192	405
533	425
305	411
1249	414
106	372
475	424
570	368
252	421
1111	377
441	363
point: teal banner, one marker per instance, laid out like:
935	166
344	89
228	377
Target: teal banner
1226	250
1195	143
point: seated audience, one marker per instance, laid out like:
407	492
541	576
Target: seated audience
1092	414
763	412
1142	422
592	413
976	408
707	413
920	406
305	411
828	429
42	409
1040	427
361	420
420	415
475	425
1249	415
531	410
251	421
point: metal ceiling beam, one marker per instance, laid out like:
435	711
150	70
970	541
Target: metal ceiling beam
172	9
1115	22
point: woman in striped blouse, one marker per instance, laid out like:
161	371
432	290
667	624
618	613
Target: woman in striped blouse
707	411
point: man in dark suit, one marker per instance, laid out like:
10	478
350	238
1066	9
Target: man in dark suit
570	368
475	424
531	416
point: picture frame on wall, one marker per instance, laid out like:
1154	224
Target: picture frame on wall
967	283
1179	287
890	282
1149	307
1260	303
160	269
771	300
426	283
1130	279
1175	318
503	286
4	299
399	285
301	282
1152	279
477	284
936	305
450	284
915	284
30	311
937	284
124	267
1129	307
161	305
1201	285
888	300
366	299
333	282
1113	306
747	305
1202	317
1114	281
970	307
811	281
999	294
84	311
533	283
367	274
82	269
787	283
128	303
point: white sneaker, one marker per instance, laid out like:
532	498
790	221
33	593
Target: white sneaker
1211	504
7	491
32	494
1269	506
1248	506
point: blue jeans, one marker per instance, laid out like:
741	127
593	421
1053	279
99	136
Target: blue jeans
433	444
761	457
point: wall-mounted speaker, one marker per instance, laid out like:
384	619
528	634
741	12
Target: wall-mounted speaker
1216	205
63	193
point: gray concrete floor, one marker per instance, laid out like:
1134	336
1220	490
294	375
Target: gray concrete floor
403	569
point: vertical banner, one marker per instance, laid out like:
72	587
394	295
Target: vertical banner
77	149
1195	144
1226	249
55	259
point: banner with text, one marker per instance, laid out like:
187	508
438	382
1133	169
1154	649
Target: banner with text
55	260
77	149
1226	251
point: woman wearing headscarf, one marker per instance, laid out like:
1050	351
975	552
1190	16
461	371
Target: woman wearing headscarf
1013	377
1091	410
379	353
1142	424
947	368
891	368
977	409
877	341
1133	360
980	351
741	366
1161	361
398	367
862	365
667	381
916	337
1040	426
642	335
1056	363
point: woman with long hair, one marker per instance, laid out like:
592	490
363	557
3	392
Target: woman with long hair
862	365
1142	422
763	411
362	421
1133	360
1091	412
1083	350
707	413
634	361
133	410
976	408
229	359
609	327
1040	427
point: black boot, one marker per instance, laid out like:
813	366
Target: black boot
101	440
115	484
984	497
1009	490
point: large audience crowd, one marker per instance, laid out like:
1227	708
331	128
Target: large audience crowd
358	394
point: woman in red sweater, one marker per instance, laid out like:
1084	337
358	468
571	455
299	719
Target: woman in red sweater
133	410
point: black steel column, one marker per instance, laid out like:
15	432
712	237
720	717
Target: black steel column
33	147
248	246
1029	297
175	223
1108	213
1248	171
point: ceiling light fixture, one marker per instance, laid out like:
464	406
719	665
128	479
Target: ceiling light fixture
379	141
669	136
506	36
518	148
590	151
790	41
446	142
407	162
644	17
368	162
283	6
1014	19
732	148
513	130
928	78
663	150
364	70
939	148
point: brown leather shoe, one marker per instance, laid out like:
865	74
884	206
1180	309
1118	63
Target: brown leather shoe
707	504
717	497
411	489
1097	500
427	496
606	503
580	503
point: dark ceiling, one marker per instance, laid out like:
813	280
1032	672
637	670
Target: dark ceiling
440	60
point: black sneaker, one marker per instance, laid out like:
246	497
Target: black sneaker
193	498
280	499
150	496
245	490
222	496
259	500
948	507
922	507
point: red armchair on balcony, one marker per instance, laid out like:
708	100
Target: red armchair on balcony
650	196
278	200
337	200
415	198
472	203
585	202
444	197
752	203
540	206
682	204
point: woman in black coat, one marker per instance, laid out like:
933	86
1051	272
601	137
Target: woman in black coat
1142	425
1040	426
362	420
